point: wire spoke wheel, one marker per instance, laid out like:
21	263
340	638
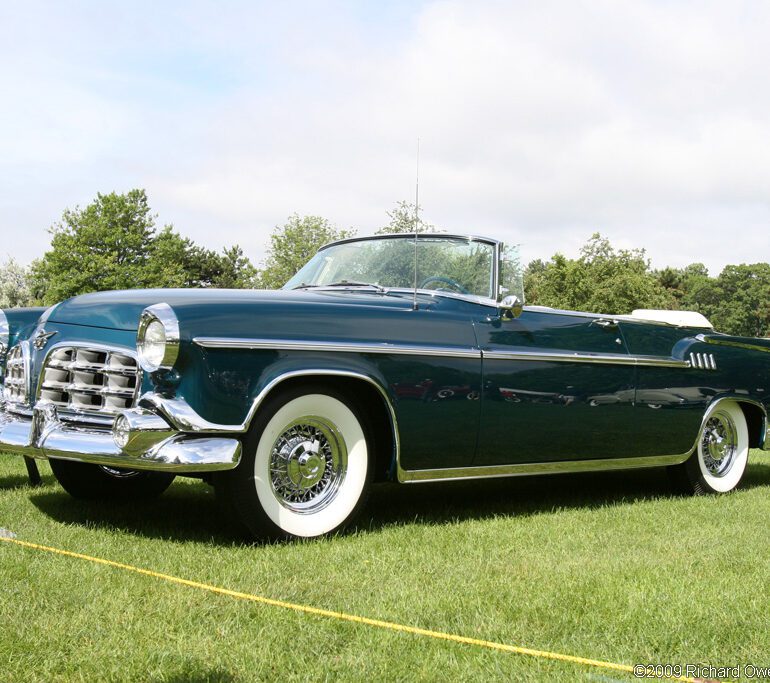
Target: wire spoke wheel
308	464
305	468
721	452
719	443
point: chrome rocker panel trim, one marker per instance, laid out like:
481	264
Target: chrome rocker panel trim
46	436
524	469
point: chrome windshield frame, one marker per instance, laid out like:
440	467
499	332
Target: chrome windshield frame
496	245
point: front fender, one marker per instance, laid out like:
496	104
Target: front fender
184	416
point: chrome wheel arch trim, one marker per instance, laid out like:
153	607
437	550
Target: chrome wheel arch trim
184	418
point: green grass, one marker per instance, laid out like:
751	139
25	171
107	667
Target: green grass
608	566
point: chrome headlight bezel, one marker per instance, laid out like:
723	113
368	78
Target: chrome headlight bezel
164	315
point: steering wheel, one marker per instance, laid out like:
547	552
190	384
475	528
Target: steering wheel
444	281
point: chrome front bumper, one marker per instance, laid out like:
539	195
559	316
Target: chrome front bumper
44	435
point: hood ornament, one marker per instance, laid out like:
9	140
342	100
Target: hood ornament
41	338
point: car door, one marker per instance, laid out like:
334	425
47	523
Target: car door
555	386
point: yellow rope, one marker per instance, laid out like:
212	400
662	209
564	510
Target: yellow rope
342	616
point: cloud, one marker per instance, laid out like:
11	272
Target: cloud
538	124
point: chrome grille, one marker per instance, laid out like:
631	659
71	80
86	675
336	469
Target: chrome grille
16	380
90	379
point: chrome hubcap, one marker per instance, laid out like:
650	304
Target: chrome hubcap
719	443
307	464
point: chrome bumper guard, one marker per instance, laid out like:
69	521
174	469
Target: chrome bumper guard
150	444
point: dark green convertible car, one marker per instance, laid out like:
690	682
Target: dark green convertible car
386	358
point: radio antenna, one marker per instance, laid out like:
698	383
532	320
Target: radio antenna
416	221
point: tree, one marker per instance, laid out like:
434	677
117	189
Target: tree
402	219
113	244
14	285
181	263
739	301
601	279
682	284
293	244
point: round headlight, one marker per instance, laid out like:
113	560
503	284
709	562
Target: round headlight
157	339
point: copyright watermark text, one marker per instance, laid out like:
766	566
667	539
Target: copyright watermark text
703	671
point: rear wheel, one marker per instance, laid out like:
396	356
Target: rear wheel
719	460
305	469
99	482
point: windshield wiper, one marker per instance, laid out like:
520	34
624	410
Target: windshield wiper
343	283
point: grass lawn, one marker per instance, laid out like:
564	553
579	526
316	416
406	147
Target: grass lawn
607	566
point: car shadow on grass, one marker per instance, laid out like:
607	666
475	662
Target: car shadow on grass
186	512
14	481
190	511
438	503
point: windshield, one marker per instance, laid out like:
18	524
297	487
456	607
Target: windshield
451	264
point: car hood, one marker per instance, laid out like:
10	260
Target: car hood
120	310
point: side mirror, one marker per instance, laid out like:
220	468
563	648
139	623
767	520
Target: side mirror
510	307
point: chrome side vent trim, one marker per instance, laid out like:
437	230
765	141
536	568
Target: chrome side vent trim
90	379
703	361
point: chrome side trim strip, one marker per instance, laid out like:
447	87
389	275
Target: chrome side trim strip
346	347
492	471
596	358
711	339
436	351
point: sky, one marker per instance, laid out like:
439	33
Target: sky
539	123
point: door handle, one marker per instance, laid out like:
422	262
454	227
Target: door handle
606	323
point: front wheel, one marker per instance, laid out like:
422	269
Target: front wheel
719	460
99	482
305	469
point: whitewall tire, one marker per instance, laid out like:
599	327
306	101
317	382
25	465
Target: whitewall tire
721	454
306	466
